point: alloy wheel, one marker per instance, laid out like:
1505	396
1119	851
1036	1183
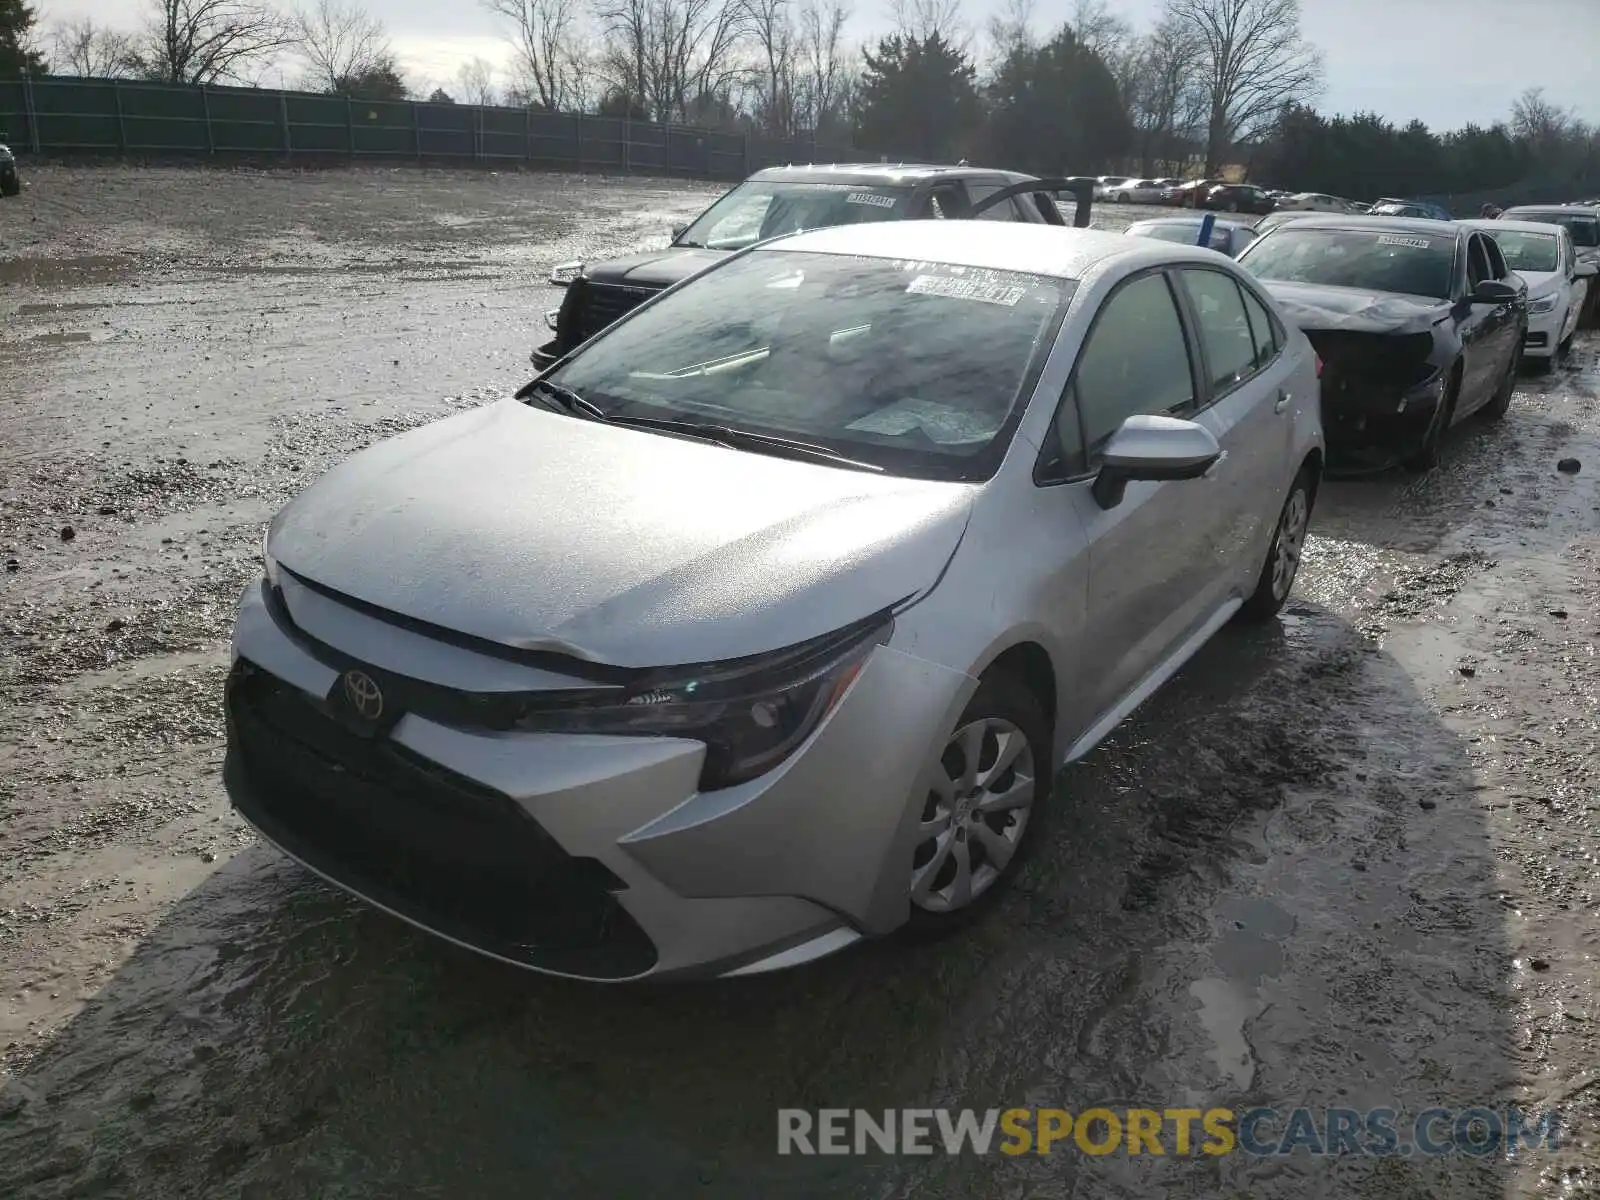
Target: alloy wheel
975	815
1289	543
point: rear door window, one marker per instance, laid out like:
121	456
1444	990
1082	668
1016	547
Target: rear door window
1225	329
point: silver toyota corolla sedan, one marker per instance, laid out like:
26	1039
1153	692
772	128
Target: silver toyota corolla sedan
762	622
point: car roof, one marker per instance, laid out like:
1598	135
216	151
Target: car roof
881	173
1191	222
1050	250
1489	226
1562	210
1364	221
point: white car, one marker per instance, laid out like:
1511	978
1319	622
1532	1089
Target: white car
1107	186
1315	202
1138	191
1558	283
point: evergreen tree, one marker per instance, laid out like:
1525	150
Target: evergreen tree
917	100
16	24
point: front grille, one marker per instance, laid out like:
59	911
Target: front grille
455	856
596	305
1536	339
1371	369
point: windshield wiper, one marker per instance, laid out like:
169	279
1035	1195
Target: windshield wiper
743	439
570	401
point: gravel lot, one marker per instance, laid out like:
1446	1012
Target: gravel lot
1349	860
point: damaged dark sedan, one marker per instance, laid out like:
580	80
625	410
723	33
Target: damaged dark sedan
1419	324
782	200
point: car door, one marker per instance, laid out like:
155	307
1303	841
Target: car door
1503	327
1150	564
1477	328
1249	409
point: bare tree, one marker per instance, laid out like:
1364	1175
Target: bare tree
475	83
341	43
677	58
548	57
1099	30
208	41
1011	30
1164	100
777	48
920	20
1534	119
92	51
824	67
1252	62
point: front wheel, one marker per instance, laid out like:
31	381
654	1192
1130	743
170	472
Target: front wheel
10	183
1278	573
983	805
1500	403
1427	455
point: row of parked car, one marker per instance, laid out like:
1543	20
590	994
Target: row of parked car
762	619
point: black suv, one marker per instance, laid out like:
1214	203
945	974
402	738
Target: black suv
783	200
10	181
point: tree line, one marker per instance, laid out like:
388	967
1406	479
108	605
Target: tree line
1210	85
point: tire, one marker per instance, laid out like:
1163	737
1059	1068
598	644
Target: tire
10	183
1233	206
1426	456
1002	707
1122	197
1278	572
1500	403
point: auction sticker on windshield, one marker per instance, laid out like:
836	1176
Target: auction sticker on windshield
1394	239
871	198
965	289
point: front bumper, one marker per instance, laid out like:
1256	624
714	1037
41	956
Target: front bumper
1371	428
543	356
588	857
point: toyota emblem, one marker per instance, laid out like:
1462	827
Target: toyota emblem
364	695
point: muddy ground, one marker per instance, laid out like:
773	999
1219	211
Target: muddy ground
1351	860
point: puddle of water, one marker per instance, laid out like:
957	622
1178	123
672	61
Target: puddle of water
59	339
31	310
1225	1007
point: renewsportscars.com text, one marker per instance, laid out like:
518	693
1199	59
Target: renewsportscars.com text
1259	1132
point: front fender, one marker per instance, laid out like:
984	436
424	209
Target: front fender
836	824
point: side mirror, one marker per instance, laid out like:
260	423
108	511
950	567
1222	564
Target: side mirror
679	230
1153	449
1493	291
1585	270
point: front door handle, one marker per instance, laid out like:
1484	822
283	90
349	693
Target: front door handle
1283	400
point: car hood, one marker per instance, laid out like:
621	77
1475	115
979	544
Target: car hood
656	268
1542	283
1357	310
541	531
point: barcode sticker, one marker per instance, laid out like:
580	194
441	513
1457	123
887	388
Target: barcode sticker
965	289
871	198
1394	239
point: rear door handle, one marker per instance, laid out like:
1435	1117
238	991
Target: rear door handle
1283	400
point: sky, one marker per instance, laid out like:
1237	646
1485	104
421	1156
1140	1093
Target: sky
1447	62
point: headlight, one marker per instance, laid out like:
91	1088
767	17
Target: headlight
751	714
269	565
1543	304
564	273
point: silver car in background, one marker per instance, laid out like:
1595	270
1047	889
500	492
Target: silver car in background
762	622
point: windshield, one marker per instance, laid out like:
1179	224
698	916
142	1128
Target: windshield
754	212
1410	263
1528	251
1585	229
915	367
